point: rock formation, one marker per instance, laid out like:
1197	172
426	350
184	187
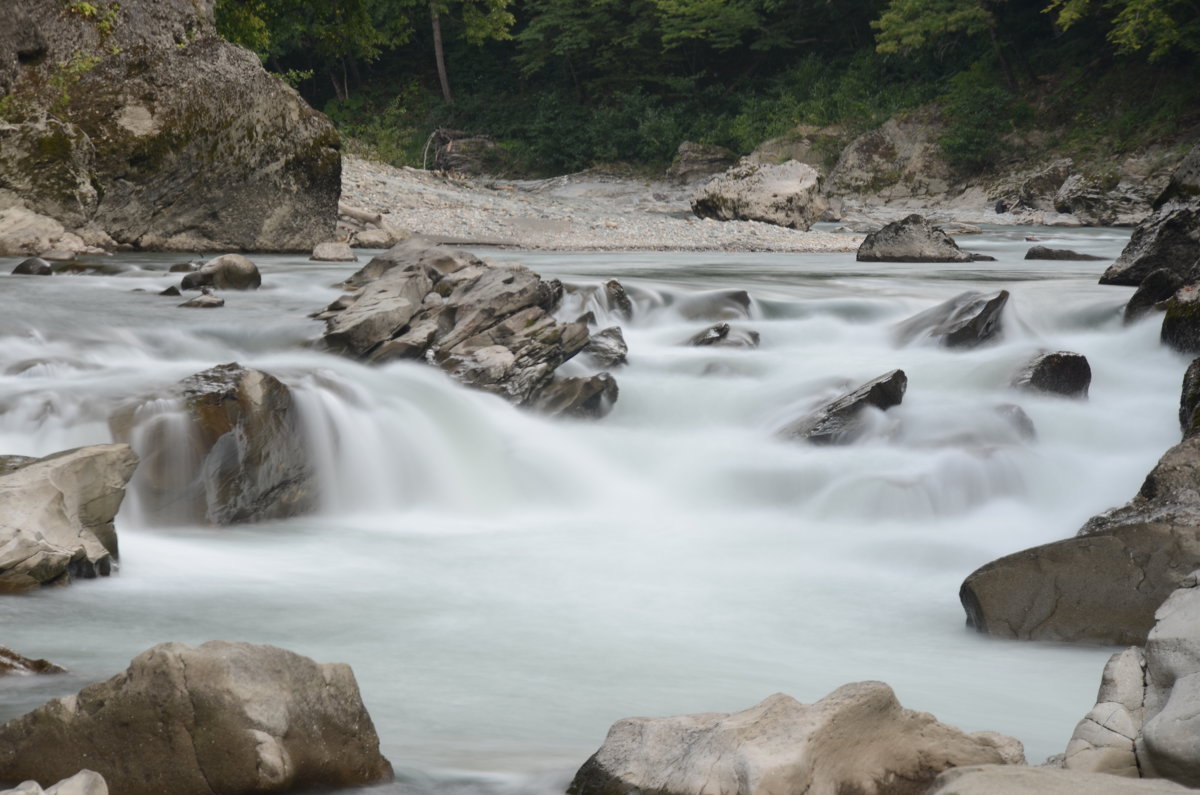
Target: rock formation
13	663
220	717
965	321
1020	780
913	239
1066	254
788	194
694	162
841	421
1060	373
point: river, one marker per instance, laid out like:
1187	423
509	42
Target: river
506	586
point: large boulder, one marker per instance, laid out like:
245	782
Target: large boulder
842	420
1104	741
901	159
220	717
1020	780
56	516
1059	373
1158	287
1189	401
85	782
694	162
1102	199
223	446
226	272
857	739
912	239
1181	321
139	123
967	320
1065	254
787	194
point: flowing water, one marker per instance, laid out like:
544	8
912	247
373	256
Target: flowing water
506	586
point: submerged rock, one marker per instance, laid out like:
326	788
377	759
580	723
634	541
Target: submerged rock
840	421
1042	252
857	739
589	397
1060	373
220	717
13	663
33	266
965	321
913	239
226	272
607	348
788	194
723	336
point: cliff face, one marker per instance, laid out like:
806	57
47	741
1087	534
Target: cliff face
135	123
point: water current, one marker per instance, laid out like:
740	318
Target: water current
506	586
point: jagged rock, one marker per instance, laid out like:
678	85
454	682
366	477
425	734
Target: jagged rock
617	299
965	321
1103	742
1167	745
607	348
85	782
1060	373
171	138
223	446
857	739
226	272
1184	184
1168	494
1181	323
814	146
840	421
333	251
58	516
788	194
912	239
220	717
206	301
13	663
1019	780
716	305
1042	252
591	397
1037	190
721	335
34	266
1157	287
900	159
694	162
1189	401
1101	200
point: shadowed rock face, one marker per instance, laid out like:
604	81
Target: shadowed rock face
1044	252
1060	373
221	717
166	137
965	321
913	239
840	421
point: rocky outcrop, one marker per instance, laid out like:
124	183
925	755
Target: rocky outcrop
857	739
488	326
1189	401
788	194
901	159
56	516
1181	322
135	124
1060	373
967	320
33	266
842	421
607	348
85	782
1103	742
912	239
333	251
815	146
223	446
1020	780
1065	254
226	272
220	717
1156	288
13	663
694	162
722	335
1102	199
585	397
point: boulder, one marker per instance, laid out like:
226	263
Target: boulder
1036	190
912	239
165	135
788	194
1019	780
818	147
901	159
23	231
58	516
1103	742
965	321
1167	747
222	446
85	782
226	272
466	153
220	717
1189	401
1101	199
205	301
33	266
1157	287
13	663
694	162
1042	252
1184	184
617	300
589	397
857	739
1181	321
607	348
333	251
840	421
1061	373
723	336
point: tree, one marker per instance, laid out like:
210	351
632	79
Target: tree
910	25
481	20
1158	27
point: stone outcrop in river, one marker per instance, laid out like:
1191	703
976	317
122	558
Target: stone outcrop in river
13	663
56	516
223	446
488	326
845	419
1059	373
913	239
857	739
965	321
220	717
134	123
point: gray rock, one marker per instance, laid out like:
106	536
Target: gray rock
1037	190
1060	373
230	448
617	299
33	266
1156	288
1103	742
694	161
13	663
1101	200
912	239
966	321
220	717
840	421
226	272
206	301
58	516
85	782
716	305
332	251
1042	252
1184	184
901	159
1168	239
588	397
857	739
607	348
723	336
1167	745
1019	780
1181	322
1189	401
788	194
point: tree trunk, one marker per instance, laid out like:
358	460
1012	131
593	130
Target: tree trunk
440	55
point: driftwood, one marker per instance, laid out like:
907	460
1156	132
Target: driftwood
362	216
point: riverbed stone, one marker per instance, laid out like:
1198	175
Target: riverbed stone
912	239
841	421
1181	321
857	739
57	516
33	266
1066	254
1158	287
333	251
226	272
787	194
967	320
13	663
1060	373
219	717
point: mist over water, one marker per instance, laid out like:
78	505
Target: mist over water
506	586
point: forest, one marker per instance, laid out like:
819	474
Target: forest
564	85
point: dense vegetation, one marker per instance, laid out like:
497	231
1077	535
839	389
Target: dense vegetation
566	84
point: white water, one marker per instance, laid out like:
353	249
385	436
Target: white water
506	586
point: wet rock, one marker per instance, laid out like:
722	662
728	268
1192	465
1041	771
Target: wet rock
220	717
1168	494
589	397
857	739
723	336
788	194
912	239
840	421
966	321
617	299
607	348
33	266
1157	287
13	663
716	305
1181	323
1061	373
58	516
1042	252
1020	780
333	252
226	272
1169	237
1189	401
85	782
206	301
185	267
694	162
171	292
222	446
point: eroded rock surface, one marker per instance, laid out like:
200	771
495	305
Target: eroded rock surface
1059	373
965	321
842	421
912	239
13	663
788	194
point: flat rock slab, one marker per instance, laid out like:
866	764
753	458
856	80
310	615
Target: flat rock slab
840	420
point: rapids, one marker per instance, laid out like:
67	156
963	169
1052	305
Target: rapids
506	586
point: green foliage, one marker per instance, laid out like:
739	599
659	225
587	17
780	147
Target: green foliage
978	111
1157	27
66	75
102	15
911	25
